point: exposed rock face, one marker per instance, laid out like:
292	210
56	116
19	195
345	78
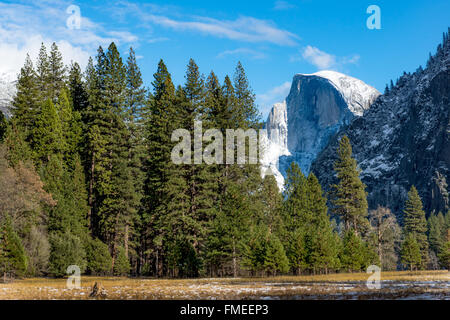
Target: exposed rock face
403	140
317	106
275	142
7	92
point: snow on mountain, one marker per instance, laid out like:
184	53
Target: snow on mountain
357	94
403	140
274	142
317	106
7	91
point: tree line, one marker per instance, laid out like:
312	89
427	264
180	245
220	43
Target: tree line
87	180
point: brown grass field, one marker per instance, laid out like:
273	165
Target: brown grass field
394	285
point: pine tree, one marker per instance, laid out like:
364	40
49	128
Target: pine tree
410	252
43	73
436	232
353	254
26	101
444	255
349	195
122	265
77	90
275	257
245	112
13	260
98	258
295	218
415	224
159	127
71	127
47	133
56	74
136	117
18	149
323	247
271	205
67	250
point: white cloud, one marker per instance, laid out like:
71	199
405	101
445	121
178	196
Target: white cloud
243	51
283	5
268	99
247	29
323	60
320	59
23	27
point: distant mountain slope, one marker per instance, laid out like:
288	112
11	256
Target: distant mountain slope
403	140
7	92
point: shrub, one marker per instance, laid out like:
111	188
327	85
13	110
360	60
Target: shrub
13	260
99	260
66	250
122	264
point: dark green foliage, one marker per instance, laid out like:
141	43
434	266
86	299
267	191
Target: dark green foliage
309	239
349	195
77	89
415	224
102	144
353	256
18	148
13	260
410	252
264	252
66	250
98	258
444	255
47	133
26	101
122	264
3	126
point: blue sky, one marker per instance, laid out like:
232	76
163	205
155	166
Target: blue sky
273	39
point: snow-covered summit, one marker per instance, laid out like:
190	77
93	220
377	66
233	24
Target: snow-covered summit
357	94
317	106
403	139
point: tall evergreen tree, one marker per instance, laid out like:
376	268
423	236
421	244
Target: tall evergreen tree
323	247
410	252
47	133
43	73
57	72
13	260
26	101
415	224
160	125
77	89
349	195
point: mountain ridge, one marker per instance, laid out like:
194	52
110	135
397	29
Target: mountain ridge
403	139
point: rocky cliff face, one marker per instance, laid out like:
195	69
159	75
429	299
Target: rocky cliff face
7	92
274	143
317	106
403	140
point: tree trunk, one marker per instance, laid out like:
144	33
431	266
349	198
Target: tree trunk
234	260
91	193
126	241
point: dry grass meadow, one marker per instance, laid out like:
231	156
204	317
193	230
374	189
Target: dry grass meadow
394	285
